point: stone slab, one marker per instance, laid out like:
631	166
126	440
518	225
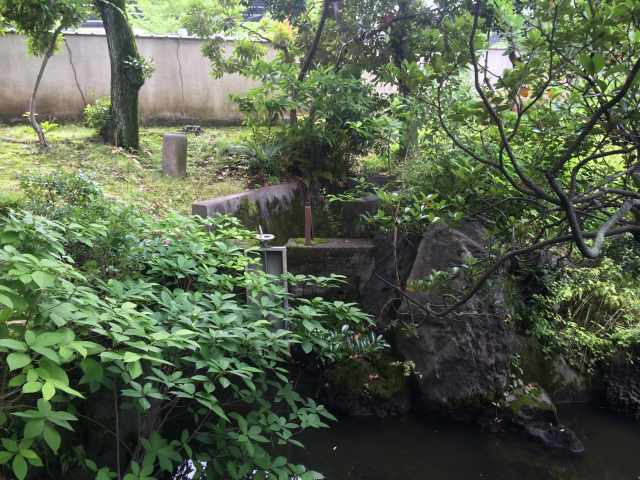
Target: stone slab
278	209
174	154
279	196
351	257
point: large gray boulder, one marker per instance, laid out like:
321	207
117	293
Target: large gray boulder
563	382
622	384
392	263
462	360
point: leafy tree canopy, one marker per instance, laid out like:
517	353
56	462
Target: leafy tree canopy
39	19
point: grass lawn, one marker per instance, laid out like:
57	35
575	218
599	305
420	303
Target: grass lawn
133	178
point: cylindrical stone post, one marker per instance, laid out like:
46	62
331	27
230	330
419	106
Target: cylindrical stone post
174	154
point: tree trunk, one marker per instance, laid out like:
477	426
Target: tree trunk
127	75
309	57
399	48
42	140
313	48
398	43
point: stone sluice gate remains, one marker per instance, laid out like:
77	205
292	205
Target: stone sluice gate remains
463	358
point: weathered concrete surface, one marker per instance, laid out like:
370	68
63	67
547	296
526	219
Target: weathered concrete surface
353	225
174	154
181	88
278	209
351	257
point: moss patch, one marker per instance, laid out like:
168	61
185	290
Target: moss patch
134	178
530	397
314	241
379	378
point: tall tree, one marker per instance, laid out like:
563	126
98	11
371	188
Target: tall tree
128	73
42	22
558	129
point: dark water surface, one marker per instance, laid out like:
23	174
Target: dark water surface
410	448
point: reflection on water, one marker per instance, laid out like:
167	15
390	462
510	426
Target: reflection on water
410	448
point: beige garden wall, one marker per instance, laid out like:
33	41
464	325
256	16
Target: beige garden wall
181	88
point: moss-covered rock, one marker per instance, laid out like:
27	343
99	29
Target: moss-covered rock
530	403
553	373
529	410
374	386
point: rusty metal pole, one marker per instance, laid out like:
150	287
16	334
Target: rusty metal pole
308	223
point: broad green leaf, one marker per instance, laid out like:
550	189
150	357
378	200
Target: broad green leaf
134	369
18	360
43	279
110	356
130	357
31	387
5	457
44	408
92	370
220	412
49	370
47	339
48	390
30	337
10	444
598	63
17	380
47	352
33	429
29	454
32	376
6	301
104	474
19	467
52	437
67	389
13	344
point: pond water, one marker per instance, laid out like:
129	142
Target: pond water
410	448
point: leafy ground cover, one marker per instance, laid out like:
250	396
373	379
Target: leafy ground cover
133	178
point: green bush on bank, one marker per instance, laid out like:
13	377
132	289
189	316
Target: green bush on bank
128	343
591	311
98	114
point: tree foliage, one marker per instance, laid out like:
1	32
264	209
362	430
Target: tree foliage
545	152
42	22
559	125
39	19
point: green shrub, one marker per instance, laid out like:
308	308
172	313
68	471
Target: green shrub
378	376
55	193
98	114
10	201
589	312
338	118
161	359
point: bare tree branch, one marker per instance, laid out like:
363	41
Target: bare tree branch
524	250
531	185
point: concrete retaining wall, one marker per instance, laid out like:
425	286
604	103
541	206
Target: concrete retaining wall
181	88
278	209
351	257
